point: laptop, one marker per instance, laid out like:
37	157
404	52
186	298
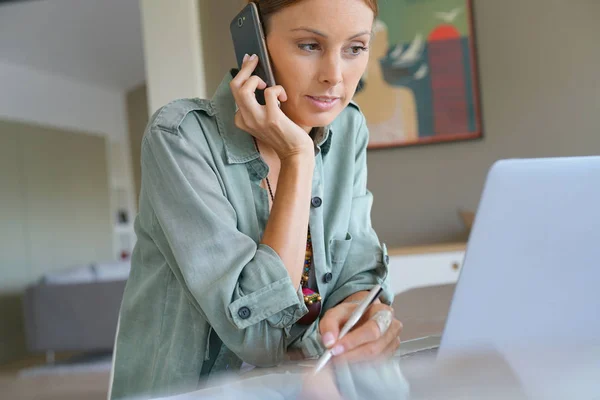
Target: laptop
529	288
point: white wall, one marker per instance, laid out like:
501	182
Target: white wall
190	58
29	95
172	50
33	96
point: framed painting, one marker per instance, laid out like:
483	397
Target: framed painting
421	83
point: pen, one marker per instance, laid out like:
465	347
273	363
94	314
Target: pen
354	318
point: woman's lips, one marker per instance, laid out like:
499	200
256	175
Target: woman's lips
323	103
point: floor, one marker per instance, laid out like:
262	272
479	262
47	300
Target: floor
92	386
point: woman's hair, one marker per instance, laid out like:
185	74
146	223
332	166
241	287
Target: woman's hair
269	7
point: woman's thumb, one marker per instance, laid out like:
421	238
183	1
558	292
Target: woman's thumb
330	325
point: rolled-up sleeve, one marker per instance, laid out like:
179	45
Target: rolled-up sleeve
367	262
242	288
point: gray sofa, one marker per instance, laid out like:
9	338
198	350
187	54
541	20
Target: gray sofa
78	314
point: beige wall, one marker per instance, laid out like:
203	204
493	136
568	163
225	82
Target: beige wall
137	117
55	201
55	212
539	62
217	47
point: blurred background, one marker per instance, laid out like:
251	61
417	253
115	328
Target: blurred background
78	81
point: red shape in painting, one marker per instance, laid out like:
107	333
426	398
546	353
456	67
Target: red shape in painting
448	81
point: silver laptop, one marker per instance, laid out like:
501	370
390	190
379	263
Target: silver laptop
530	282
532	266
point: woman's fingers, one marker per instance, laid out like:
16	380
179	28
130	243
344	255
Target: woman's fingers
360	347
364	334
248	66
332	322
273	96
277	92
243	87
376	328
246	95
248	107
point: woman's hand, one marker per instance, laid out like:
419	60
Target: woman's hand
376	335
267	123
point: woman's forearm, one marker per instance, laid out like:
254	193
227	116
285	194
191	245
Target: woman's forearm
288	222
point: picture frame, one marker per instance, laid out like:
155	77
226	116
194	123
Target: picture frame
421	85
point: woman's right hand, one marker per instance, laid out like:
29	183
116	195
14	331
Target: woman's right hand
267	123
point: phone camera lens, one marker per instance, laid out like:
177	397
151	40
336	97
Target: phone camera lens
240	22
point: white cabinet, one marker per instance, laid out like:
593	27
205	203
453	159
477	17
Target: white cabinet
425	266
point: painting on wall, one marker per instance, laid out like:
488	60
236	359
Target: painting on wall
421	85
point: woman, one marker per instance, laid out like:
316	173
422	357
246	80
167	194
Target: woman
224	272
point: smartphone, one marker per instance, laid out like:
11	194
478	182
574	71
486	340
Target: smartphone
249	38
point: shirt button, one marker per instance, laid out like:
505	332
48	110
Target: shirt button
327	277
316	202
244	313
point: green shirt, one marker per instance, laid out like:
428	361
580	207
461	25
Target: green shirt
203	294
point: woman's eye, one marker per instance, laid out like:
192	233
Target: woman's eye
356	50
309	46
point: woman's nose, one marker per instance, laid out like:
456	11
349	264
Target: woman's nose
331	71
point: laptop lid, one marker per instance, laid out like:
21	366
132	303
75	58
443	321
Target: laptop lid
529	289
531	274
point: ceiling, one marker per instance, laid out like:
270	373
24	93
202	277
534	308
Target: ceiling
93	41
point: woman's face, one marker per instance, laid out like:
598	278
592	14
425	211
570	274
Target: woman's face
319	53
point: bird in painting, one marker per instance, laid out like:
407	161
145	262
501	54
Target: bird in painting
449	16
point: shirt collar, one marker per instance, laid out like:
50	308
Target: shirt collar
323	139
239	146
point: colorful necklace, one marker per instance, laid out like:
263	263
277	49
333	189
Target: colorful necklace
312	299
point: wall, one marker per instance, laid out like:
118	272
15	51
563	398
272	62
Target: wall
55	202
36	97
53	107
174	67
13	238
217	46
198	39
55	212
137	117
538	63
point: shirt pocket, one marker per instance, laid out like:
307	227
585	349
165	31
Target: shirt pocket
339	251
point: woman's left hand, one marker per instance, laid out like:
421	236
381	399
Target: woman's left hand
376	335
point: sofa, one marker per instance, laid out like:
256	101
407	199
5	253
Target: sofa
75	310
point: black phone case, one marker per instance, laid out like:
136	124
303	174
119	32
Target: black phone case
248	38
